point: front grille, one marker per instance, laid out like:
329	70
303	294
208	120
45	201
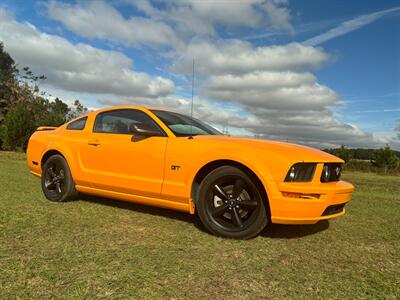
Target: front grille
333	209
331	172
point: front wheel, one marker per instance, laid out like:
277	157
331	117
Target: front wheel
230	204
57	182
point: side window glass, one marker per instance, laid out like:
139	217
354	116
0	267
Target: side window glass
123	121
78	124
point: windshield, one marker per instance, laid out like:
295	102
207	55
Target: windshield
182	125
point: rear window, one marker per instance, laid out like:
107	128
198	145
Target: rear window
78	124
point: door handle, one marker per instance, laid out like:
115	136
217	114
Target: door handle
93	143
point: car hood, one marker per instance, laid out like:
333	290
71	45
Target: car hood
295	152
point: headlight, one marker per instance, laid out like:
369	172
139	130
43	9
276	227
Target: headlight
301	172
331	172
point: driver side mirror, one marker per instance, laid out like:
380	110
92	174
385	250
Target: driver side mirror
142	131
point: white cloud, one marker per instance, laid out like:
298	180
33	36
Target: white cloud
237	13
193	17
77	67
100	20
270	80
269	77
278	15
299	98
348	26
274	89
239	57
172	26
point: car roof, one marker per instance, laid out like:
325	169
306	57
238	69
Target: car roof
127	107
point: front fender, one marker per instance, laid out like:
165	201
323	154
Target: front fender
185	158
256	165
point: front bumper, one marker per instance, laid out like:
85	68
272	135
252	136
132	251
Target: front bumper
309	203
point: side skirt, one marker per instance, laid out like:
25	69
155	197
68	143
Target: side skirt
185	207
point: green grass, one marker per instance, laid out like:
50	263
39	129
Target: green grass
100	248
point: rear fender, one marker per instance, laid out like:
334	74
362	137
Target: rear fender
65	152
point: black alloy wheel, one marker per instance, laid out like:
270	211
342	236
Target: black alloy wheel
230	204
54	178
57	182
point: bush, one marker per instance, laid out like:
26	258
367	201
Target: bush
18	127
368	166
385	158
344	153
359	165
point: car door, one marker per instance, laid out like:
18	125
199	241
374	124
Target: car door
117	162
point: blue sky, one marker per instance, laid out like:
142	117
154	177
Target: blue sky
322	73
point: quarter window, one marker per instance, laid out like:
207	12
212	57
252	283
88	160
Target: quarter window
123	121
78	124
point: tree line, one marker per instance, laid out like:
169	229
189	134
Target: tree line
383	160
24	106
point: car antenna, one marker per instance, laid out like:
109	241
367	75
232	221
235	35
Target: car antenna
191	105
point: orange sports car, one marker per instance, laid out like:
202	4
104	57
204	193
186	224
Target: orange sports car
162	158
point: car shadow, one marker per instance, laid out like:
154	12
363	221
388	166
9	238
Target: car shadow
276	231
280	231
146	209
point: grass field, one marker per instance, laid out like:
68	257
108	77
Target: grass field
100	248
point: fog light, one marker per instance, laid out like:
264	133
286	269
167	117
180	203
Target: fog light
291	195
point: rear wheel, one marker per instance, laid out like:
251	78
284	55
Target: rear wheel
230	204
57	182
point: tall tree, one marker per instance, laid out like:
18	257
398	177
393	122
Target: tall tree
8	79
24	106
76	110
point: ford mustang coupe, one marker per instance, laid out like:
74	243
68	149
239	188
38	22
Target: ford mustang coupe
165	159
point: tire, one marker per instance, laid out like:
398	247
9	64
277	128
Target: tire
57	182
230	204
